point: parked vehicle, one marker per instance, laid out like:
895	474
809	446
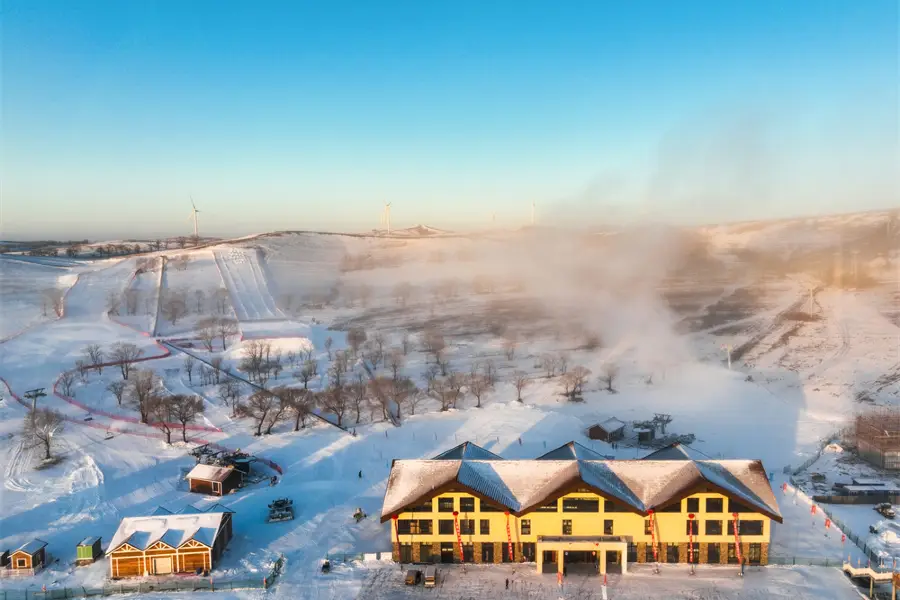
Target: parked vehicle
885	510
430	576
326	566
413	577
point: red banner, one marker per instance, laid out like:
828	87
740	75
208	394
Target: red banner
652	516
509	537
737	538
691	538
458	536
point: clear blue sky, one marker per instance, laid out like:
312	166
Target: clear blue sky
312	114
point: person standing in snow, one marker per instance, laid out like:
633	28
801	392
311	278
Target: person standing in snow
507	583
360	474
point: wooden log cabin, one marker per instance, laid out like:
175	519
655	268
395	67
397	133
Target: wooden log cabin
29	557
214	481
169	543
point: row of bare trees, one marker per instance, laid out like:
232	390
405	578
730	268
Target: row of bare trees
178	303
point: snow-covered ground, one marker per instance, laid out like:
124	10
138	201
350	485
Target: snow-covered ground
795	383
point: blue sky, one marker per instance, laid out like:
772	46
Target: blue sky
312	114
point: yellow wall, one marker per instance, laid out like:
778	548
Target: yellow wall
672	526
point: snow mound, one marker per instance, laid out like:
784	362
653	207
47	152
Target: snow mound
834	448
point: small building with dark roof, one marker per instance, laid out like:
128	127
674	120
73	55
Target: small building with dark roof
87	551
215	481
610	430
467	451
29	557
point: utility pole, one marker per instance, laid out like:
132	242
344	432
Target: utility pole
33	395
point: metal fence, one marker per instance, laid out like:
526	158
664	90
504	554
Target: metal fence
143	587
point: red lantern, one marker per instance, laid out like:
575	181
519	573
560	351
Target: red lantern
691	538
812	509
509	537
843	539
458	536
784	487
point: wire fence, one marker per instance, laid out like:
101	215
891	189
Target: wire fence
144	587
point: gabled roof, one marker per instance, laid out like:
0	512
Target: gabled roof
467	451
609	425
210	473
161	510
572	451
190	509
522	485
673	451
89	541
32	547
172	530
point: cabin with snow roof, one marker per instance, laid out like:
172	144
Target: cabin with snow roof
573	509
213	480
163	543
28	558
610	430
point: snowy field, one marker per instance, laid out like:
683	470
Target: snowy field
500	303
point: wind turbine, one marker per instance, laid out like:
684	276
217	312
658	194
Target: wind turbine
193	216
386	216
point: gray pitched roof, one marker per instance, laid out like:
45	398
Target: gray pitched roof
572	451
521	485
467	451
31	547
671	452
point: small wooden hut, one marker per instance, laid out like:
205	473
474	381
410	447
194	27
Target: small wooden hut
88	551
215	481
610	430
29	557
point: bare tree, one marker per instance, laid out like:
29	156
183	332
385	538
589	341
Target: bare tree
380	340
221	298
41	427
356	337
338	369
372	354
226	328
358	392
174	306
253	363
188	363
334	400
456	381
67	382
306	373
82	368
199	300
433	343
429	377
113	303
95	356
159	411
521	381
608	376
490	371
186	409
181	241
328	344
406	342
566	382
414	397
441	391
291	356
257	408
509	347
402	292
579	379
563	362
477	384
207	332
117	388
300	406
216	363
141	387
549	364
395	362
230	392
284	398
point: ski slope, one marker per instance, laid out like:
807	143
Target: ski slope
247	284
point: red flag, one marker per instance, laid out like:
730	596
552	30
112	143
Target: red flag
843	538
812	509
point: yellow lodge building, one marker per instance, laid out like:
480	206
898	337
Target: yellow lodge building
573	509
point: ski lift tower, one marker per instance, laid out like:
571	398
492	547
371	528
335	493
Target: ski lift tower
33	395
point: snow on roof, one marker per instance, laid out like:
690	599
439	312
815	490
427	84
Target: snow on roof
190	509
89	541
467	451
174	530
210	473
571	451
32	547
161	510
671	452
611	424
520	485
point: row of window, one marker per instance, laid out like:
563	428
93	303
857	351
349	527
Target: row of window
692	505
664	553
427	554
467	527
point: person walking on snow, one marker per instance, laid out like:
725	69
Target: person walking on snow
360	474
